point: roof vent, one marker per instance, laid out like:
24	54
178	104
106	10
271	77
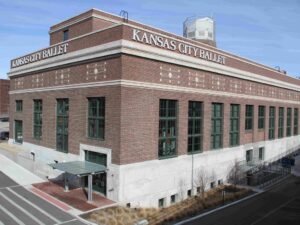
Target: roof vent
200	29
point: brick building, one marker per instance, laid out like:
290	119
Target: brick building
4	98
153	107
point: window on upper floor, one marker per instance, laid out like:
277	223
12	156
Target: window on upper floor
96	118
249	117
261	117
167	128
234	137
289	122
19	105
195	127
216	137
65	35
280	122
296	116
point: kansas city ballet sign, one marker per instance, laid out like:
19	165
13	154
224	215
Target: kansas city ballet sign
40	55
173	45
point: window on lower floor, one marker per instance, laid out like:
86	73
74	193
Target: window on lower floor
296	121
234	124
161	202
96	118
217	126
249	156
289	122
37	118
195	127
212	184
261	153
189	193
62	125
271	122
249	117
261	117
281	122
173	199
167	128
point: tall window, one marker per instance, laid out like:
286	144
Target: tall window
37	118
272	122
296	118
65	35
62	125
19	105
261	117
96	118
195	127
249	117
281	122
167	128
217	126
289	122
234	124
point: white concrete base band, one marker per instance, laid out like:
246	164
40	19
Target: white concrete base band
142	184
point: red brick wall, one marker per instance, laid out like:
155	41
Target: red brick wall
4	97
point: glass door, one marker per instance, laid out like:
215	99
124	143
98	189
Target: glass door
99	180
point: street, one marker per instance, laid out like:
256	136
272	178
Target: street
19	206
280	205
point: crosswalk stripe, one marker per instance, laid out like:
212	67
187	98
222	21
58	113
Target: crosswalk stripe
20	208
11	215
36	207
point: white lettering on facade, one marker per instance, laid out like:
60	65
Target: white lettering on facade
37	56
162	42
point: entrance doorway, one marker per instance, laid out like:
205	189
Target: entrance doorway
19	131
99	180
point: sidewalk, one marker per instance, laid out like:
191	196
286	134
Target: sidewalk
17	172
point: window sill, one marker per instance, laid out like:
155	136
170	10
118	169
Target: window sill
167	157
96	139
195	152
261	129
249	131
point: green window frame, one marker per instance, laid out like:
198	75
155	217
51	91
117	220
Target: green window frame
289	122
280	122
296	120
271	122
249	117
261	117
217	126
261	153
62	125
167	143
96	118
19	105
234	125
195	128
37	118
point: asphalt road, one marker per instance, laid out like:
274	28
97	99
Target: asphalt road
21	207
278	206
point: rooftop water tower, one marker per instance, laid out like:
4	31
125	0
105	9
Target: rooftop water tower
200	29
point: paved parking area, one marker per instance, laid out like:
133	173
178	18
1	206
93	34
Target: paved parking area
279	205
21	207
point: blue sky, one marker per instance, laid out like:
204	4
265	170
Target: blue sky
266	31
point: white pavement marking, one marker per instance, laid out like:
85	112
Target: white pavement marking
65	222
11	216
34	206
1	223
23	210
